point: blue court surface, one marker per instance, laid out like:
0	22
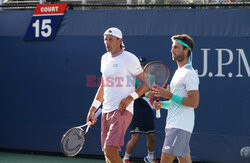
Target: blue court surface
6	157
30	157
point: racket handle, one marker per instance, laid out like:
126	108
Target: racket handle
97	113
158	114
151	100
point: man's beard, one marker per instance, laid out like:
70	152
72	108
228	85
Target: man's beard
179	58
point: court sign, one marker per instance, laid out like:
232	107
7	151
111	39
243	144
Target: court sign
45	22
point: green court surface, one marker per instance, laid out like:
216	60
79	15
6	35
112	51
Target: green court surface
6	157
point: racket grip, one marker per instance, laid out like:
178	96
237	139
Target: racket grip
151	100
97	113
158	114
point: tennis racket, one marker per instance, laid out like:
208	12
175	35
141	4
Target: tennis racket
73	140
156	73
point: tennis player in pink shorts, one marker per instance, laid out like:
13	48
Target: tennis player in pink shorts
117	92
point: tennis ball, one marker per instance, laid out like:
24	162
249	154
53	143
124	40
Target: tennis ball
245	152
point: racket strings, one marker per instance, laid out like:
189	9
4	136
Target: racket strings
157	74
73	141
78	135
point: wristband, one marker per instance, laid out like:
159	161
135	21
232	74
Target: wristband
177	98
134	95
165	104
96	104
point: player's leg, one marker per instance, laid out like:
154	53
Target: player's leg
151	141
176	144
132	142
149	129
109	153
106	159
186	159
167	158
168	149
151	147
135	129
118	124
112	154
131	145
104	130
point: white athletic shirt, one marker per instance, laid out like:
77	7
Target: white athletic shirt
118	75
179	116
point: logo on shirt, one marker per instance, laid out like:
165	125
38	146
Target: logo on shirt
115	65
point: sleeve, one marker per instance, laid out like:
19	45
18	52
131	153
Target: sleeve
133	65
192	81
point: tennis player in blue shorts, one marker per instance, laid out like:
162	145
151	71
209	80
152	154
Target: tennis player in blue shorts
183	95
142	123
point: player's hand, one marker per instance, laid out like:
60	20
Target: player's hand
157	105
149	94
90	116
125	102
162	92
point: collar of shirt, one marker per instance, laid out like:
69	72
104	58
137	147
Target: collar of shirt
115	55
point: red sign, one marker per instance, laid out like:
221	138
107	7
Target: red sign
50	9
45	21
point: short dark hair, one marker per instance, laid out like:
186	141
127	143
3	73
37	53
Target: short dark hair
186	39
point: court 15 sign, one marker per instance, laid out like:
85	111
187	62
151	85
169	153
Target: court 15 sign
45	21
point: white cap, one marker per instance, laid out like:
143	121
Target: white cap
114	32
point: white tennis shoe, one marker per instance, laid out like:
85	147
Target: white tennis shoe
148	160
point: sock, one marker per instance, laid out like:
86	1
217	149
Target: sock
151	155
126	157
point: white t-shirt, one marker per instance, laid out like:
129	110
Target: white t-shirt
179	116
118	75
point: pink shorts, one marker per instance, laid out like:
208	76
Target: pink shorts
114	127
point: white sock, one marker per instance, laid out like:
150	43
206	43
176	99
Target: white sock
151	155
126	157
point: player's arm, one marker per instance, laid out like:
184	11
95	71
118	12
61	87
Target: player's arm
192	100
96	102
138	93
142	88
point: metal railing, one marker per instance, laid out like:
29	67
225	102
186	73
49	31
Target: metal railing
126	4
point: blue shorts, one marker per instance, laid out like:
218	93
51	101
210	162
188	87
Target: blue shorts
143	119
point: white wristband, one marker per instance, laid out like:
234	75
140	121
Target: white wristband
134	95
96	104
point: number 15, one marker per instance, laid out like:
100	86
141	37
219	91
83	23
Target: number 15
45	25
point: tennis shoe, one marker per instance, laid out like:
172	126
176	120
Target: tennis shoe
125	161
148	160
